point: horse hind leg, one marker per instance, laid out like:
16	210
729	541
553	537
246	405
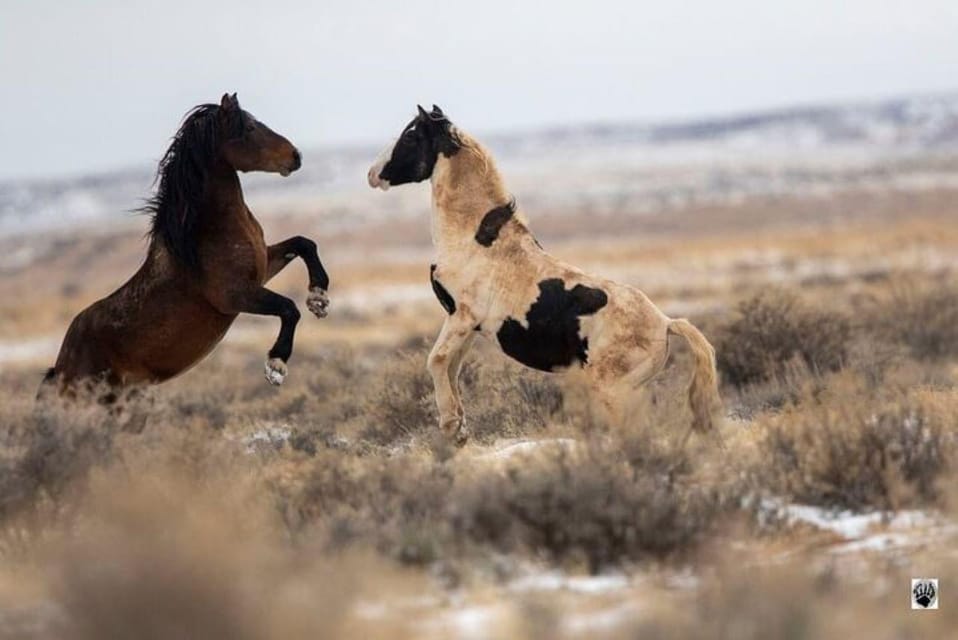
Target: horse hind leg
605	407
620	388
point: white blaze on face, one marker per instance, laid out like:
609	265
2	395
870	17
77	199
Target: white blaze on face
378	164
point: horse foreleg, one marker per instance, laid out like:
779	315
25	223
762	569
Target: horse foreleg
446	357
263	302
280	255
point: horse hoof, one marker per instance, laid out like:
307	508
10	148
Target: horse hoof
276	371
318	302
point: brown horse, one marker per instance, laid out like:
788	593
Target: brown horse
207	262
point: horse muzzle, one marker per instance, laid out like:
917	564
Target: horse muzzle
375	181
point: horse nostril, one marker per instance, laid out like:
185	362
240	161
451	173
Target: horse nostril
297	159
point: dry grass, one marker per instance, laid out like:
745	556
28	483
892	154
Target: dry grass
799	601
922	316
853	446
249	512
183	529
772	329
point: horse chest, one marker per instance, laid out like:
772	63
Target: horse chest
249	249
260	257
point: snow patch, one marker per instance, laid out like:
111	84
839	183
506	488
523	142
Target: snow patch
848	524
525	447
269	436
556	581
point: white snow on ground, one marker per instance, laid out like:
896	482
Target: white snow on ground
875	532
268	435
556	580
511	449
848	524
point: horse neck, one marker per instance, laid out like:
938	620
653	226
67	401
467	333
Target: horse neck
224	193
465	187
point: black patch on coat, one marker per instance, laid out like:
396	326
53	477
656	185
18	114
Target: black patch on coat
552	339
420	143
493	222
445	299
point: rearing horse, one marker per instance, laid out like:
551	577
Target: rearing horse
494	279
207	262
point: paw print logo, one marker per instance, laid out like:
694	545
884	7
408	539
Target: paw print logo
924	593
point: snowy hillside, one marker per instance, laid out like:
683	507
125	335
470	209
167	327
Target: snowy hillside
904	143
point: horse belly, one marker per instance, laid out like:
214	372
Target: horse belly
178	347
543	347
550	336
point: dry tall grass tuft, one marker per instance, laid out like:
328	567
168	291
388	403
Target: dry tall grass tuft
799	600
598	505
923	317
49	450
859	447
502	400
168	555
772	329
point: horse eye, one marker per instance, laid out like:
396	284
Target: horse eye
250	128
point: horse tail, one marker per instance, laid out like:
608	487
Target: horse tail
703	389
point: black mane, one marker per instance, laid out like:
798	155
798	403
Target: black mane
181	177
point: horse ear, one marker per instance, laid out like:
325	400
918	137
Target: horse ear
436	111
227	102
422	113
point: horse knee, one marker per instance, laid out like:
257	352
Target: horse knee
289	313
303	245
437	364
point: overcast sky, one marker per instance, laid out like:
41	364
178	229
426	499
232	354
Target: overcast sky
99	84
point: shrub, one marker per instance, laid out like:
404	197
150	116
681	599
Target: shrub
598	503
859	448
793	599
591	505
500	400
772	329
51	449
923	318
504	400
401	402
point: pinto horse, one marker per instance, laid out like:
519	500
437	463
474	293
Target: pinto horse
494	279
207	262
